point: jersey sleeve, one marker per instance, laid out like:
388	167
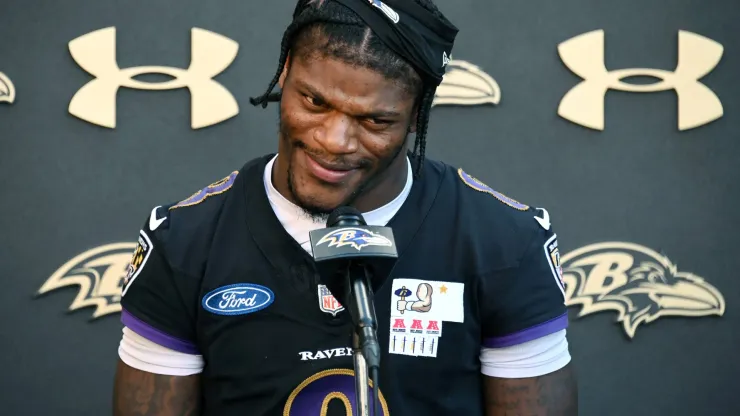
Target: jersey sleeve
534	358
158	298
525	300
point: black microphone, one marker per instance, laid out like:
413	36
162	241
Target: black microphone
348	254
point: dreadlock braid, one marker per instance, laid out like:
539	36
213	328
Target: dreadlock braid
327	28
422	122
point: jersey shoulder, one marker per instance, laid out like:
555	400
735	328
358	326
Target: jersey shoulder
498	221
183	230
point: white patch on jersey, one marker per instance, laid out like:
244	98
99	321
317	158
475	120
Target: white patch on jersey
415	337
325	354
138	260
422	299
414	326
413	345
418	308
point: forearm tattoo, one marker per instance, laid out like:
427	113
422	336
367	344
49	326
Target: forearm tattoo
138	393
553	394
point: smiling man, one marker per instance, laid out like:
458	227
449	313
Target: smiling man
225	314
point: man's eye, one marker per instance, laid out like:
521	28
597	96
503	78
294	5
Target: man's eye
316	102
379	121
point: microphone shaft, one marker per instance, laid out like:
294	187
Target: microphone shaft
362	393
363	309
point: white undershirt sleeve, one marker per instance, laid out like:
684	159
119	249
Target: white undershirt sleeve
145	355
529	359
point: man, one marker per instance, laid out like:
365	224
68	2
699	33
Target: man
225	313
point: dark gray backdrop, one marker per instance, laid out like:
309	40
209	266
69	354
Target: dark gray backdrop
69	186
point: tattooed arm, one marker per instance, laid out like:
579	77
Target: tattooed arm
138	393
553	394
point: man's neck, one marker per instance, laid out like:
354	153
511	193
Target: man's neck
385	187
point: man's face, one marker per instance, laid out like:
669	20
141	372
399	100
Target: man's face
341	128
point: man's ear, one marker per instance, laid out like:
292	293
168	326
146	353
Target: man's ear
284	74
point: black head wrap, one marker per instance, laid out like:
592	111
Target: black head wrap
407	28
411	31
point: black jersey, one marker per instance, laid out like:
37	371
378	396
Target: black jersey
218	275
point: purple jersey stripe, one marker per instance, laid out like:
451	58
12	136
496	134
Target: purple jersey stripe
537	331
152	334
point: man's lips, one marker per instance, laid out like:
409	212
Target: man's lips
327	172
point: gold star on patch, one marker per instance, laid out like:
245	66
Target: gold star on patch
443	289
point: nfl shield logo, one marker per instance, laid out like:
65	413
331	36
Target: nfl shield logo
327	302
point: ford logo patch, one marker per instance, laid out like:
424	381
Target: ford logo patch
238	299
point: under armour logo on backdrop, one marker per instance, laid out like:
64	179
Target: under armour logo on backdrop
584	103
211	54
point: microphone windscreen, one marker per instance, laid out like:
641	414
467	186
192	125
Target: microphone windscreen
344	213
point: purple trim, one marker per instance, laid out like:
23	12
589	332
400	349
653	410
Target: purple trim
152	334
537	331
482	187
212	189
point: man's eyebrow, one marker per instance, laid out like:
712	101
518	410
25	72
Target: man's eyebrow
304	86
379	114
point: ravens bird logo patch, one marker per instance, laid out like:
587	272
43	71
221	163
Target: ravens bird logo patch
638	283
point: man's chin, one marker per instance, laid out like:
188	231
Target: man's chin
317	199
316	207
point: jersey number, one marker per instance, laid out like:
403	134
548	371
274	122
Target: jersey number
312	397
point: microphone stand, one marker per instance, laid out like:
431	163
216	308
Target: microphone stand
361	385
365	346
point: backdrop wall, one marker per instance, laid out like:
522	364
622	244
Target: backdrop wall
644	209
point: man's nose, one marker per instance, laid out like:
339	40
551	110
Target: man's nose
338	134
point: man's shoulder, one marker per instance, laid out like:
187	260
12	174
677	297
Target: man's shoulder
494	220
182	226
490	206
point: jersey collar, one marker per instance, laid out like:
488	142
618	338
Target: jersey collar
282	250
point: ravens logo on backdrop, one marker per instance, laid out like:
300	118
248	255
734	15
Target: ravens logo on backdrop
7	89
637	282
99	274
466	84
